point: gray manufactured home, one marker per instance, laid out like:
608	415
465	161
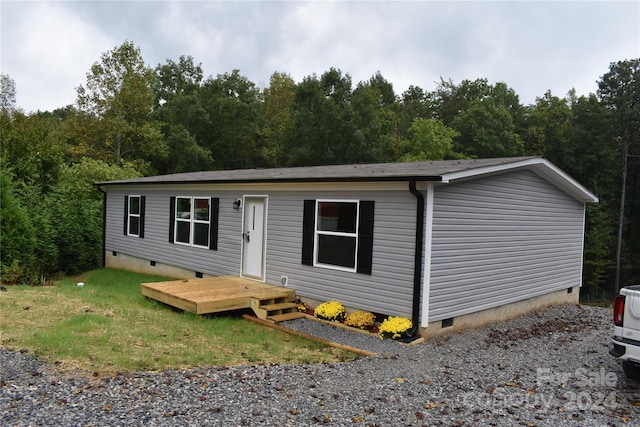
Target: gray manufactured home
448	244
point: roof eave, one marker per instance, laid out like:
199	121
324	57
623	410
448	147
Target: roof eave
538	165
275	180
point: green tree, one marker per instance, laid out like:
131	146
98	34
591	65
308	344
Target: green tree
429	140
619	90
17	235
414	104
185	155
229	126
177	78
373	110
548	128
33	148
311	141
488	118
75	212
278	119
117	102
179	108
324	131
487	129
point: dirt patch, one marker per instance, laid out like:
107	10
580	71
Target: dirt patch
508	338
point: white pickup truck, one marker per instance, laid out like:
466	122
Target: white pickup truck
626	330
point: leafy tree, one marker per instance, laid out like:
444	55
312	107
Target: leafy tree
487	129
179	109
488	118
594	164
414	104
449	100
619	90
34	149
75	212
185	155
430	140
373	118
387	95
17	235
117	102
230	124
325	131
175	79
278	119
548	128
311	143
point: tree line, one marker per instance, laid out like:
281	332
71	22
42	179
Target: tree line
132	120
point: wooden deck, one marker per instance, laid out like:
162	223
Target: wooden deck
215	294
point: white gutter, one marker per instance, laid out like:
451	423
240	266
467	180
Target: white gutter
426	267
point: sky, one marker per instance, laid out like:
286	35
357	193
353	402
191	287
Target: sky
47	47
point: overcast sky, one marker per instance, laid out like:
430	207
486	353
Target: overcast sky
48	47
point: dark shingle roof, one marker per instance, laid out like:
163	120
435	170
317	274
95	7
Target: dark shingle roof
425	171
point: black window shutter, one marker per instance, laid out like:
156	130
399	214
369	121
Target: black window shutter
365	237
308	231
126	215
172	218
214	208
141	223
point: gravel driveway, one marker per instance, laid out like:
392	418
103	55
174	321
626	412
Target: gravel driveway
550	368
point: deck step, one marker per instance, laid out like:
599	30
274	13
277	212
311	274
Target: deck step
286	316
279	306
274	307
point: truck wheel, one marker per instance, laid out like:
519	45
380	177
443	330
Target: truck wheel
631	370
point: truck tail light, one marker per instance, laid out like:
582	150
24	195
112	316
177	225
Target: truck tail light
618	310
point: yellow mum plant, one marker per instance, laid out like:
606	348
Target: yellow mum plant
301	305
360	319
394	327
330	310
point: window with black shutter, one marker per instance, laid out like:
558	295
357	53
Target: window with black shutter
338	234
194	221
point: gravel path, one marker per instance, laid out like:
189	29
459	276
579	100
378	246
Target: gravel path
549	368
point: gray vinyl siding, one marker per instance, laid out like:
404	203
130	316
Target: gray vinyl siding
388	290
502	239
156	246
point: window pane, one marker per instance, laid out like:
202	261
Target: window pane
183	229
134	205
201	234
183	208
337	250
201	209
337	216
134	225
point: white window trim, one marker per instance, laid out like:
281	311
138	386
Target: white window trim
130	215
192	221
317	232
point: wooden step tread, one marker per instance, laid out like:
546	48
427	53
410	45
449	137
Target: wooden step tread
286	316
273	295
278	306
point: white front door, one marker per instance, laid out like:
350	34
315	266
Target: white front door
253	237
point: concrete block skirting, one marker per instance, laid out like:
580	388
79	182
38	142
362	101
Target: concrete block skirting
502	313
127	262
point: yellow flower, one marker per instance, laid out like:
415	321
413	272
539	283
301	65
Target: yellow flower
360	319
330	310
394	327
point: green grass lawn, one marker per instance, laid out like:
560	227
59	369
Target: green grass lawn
107	326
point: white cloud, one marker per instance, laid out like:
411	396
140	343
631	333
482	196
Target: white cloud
47	49
532	46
